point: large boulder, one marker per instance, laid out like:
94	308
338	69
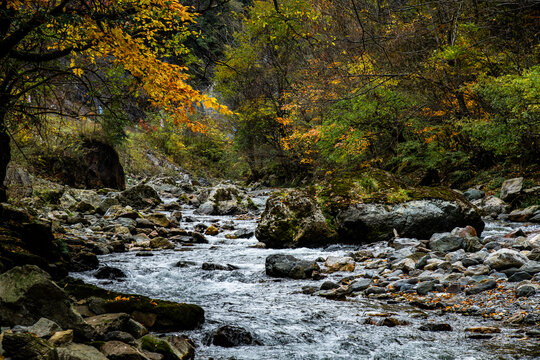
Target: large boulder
28	294
24	240
505	259
156	315
80	200
287	266
511	188
491	205
225	199
293	219
25	346
363	223
139	197
95	166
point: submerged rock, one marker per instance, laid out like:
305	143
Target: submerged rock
281	265
230	336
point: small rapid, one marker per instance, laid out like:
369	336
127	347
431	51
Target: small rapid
287	323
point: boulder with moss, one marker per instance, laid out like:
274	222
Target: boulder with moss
225	199
360	208
293	219
27	294
157	315
373	206
139	197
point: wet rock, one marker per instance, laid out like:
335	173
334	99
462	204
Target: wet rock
171	348
281	265
474	194
25	346
139	197
329	285
401	243
445	242
526	290
159	219
293	220
243	234
120	336
161	243
504	259
492	205
482	286
79	352
225	199
477	270
61	337
519	276
511	188
212	230
337	263
211	267
483	330
361	255
359	285
425	287
198	238
523	215
44	328
230	336
107	323
28	294
387	321
117	350
435	327
361	223
109	272
374	290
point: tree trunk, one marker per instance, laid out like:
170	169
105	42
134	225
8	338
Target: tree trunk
5	155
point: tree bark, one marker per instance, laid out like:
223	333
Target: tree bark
5	155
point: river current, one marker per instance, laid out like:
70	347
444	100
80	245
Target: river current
287	323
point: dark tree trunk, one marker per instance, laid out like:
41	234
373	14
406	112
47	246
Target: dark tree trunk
5	155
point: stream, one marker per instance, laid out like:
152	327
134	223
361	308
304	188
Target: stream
288	323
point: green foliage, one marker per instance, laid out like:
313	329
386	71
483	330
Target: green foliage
512	128
362	128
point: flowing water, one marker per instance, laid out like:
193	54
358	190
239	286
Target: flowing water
288	323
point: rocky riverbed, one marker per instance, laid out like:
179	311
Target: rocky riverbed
452	295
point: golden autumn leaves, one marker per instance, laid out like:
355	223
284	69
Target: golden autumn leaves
134	35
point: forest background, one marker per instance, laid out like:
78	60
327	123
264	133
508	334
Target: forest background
283	91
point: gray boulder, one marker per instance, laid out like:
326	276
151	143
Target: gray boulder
79	352
363	223
505	259
139	197
511	188
474	194
492	205
445	242
44	328
293	220
25	346
28	294
225	199
287	266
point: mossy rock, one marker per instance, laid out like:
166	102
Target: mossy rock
293	219
153	344
375	186
170	316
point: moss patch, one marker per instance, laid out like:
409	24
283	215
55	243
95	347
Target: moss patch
153	344
171	316
376	187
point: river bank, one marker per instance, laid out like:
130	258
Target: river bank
379	300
